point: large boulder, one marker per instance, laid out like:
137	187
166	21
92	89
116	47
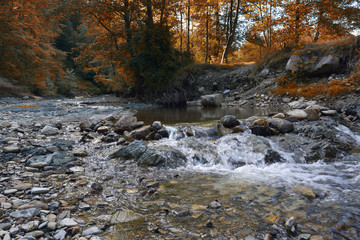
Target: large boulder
326	66
212	100
282	125
294	63
132	151
353	109
125	123
297	114
141	133
229	121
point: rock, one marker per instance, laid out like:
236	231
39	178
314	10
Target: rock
229	121
306	191
96	188
51	226
68	222
297	114
125	123
264	72
60	234
312	114
10	191
261	128
5	226
316	237
84	206
30	226
77	169
23	186
11	149
329	113
80	153
326	66
250	238
36	234
156	126
215	205
291	227
127	136
34	204
103	129
286	100
6	205
282	125
39	190
279	115
163	132
91	231
56	159
25	213
124	216
294	63
141	133
304	236
353	109
132	151
212	100
49	131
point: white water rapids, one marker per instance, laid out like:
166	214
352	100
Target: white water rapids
241	157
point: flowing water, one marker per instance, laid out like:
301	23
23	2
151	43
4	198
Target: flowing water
227	188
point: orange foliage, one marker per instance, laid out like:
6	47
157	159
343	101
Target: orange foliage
332	89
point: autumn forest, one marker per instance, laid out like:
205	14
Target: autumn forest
136	46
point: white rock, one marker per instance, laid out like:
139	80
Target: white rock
49	131
298	114
39	190
68	222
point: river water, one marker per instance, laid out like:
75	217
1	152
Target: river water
226	190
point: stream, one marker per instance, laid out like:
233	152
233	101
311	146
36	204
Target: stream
229	187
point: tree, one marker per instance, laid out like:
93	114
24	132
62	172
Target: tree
27	53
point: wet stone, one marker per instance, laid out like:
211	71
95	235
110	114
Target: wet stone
91	231
25	213
10	191
39	190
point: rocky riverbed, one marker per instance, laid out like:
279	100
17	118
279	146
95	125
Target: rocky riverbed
89	169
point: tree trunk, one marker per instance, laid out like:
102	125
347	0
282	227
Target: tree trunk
163	7
297	22
181	30
188	28
207	35
224	58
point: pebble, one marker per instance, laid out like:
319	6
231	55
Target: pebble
34	204
5	226
6	205
60	234
11	149
51	226
68	222
304	236
35	234
25	213
10	191
39	190
329	113
91	231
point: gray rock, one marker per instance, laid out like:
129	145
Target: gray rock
125	216
304	236
30	226
91	231
215	205
132	151
25	213
156	126
39	190
11	149
49	131
51	226
36	234
212	100
294	63
298	114
60	234
313	115
5	226
10	191
125	123
141	133
327	65
103	129
291	226
329	113
229	121
250	238
84	206
282	125
68	222
34	204
264	72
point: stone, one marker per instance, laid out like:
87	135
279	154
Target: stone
5	226
80	153
132	151
25	213
329	113
77	169
103	129
250	238
60	234
156	126
23	186
30	226
36	234
304	236
127	136
215	205
282	125
297	114
312	114
34	204
38	164
51	226
286	100
125	123
264	72
6	205
212	100
11	149
291	226
39	190
229	121
140	133
91	231
49	131
124	216
279	115
326	66
316	237
84	206
10	191
293	63
68	222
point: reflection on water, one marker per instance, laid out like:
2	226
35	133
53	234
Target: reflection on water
193	114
